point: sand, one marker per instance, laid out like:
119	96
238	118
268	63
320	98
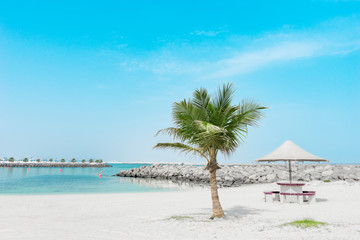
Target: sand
181	215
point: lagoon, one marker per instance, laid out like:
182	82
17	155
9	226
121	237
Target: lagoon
43	180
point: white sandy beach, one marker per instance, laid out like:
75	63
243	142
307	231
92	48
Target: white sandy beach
155	215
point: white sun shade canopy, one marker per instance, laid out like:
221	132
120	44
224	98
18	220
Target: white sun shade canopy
289	151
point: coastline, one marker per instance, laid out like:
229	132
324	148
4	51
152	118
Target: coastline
225	164
52	164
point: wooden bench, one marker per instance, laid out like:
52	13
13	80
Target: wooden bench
272	196
305	196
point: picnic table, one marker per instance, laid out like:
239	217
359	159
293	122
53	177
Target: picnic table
290	193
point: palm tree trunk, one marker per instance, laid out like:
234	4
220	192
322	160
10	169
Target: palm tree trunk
217	209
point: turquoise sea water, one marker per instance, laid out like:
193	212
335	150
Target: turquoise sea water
70	180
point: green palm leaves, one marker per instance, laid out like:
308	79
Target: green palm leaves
206	125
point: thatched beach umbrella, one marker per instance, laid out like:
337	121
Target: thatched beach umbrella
290	152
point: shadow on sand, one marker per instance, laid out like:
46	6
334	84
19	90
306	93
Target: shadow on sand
239	211
234	212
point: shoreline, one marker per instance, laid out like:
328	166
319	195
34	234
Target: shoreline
52	164
230	164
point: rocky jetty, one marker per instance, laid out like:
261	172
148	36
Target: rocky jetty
57	164
235	175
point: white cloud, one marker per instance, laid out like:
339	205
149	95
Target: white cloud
234	57
249	61
207	33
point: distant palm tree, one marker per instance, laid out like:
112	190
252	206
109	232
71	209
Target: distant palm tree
26	160
62	160
11	159
206	126
83	160
91	160
38	160
51	160
73	160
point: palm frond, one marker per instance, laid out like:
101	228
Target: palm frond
250	112
224	97
201	100
183	148
183	112
206	126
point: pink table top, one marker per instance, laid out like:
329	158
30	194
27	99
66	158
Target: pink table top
291	184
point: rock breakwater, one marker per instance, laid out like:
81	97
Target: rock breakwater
62	165
235	175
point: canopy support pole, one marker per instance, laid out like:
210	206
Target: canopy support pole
290	176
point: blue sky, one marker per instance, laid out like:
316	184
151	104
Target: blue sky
98	79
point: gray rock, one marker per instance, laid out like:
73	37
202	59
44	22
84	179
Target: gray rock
237	174
271	177
327	173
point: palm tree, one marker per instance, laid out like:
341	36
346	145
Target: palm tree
26	160
91	160
51	160
62	160
11	159
205	126
83	160
73	160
